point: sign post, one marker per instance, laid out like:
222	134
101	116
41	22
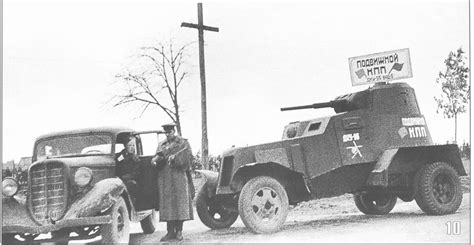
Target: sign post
380	67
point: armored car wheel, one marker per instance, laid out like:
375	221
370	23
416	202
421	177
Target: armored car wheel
375	203
119	230
211	213
438	189
263	204
149	223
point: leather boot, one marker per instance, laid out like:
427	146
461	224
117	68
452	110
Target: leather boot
179	230
179	235
171	232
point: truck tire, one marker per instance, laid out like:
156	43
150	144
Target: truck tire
149	223
375	203
117	232
438	189
211	213
263	204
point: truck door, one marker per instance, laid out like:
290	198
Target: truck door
147	142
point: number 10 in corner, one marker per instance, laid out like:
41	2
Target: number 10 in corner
453	227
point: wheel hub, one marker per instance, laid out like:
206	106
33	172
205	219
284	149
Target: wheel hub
377	200
217	211
266	204
443	189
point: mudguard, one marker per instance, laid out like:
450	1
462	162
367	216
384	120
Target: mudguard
410	159
379	175
101	197
210	178
295	183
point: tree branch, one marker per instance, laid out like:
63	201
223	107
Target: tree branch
164	72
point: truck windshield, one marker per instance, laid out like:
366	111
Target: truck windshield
71	145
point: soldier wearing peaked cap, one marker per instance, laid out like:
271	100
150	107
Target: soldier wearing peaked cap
176	191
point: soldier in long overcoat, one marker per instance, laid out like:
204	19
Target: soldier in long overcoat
173	159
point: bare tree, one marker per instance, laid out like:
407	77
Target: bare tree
455	87
163	72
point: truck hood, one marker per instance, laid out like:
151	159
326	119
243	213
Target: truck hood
84	160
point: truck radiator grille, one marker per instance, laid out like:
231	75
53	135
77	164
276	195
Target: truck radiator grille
48	192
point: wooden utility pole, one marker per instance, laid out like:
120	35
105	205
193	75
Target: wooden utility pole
201	28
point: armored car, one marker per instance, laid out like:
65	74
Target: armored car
378	147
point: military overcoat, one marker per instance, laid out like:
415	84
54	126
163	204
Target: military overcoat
173	182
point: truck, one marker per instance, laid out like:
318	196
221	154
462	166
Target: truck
74	193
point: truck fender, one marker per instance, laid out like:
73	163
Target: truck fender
245	172
295	183
210	181
410	159
98	199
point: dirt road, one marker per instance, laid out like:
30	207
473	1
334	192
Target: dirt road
334	220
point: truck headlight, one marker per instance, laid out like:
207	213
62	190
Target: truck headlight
10	187
83	176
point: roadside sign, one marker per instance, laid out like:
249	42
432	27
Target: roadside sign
380	67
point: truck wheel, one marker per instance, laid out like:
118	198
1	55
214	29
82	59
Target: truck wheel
375	203
211	213
263	204
149	223
119	230
438	189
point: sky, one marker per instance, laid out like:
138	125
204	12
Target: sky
60	59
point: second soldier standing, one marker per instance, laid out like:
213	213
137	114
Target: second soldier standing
173	159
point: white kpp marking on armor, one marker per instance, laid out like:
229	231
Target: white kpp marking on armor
417	132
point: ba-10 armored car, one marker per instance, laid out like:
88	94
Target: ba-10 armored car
378	147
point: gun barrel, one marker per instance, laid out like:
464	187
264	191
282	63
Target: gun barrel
314	106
